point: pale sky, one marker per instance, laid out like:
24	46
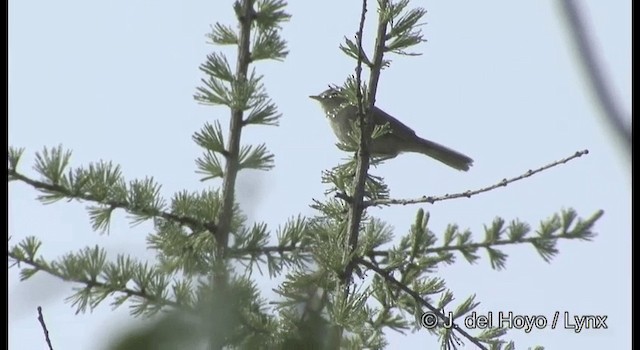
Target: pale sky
497	81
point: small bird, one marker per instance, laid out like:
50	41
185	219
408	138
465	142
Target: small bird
401	138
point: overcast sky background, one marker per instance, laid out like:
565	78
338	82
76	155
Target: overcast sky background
497	80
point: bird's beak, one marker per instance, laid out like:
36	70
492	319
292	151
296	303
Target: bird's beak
314	97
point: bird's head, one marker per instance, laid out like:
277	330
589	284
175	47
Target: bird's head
330	99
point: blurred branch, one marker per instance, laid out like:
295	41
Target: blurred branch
44	328
470	193
614	116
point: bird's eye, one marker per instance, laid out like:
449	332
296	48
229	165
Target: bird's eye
331	94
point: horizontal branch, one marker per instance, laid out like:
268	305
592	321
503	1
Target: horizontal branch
265	250
92	284
491	244
470	193
180	219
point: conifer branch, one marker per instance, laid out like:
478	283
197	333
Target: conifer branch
192	223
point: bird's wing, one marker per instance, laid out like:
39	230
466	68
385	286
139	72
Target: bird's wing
397	127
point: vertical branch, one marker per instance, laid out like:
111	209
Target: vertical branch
614	116
357	207
219	278
235	129
365	117
366	126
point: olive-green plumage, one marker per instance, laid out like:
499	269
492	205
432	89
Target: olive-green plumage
400	139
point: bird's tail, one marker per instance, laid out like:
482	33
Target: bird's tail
443	154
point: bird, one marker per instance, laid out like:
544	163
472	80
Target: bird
399	138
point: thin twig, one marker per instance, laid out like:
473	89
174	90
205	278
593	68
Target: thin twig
44	328
420	300
593	72
470	193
